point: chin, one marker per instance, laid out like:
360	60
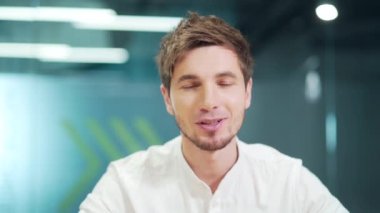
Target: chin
212	144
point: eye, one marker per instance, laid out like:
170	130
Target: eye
225	83
190	85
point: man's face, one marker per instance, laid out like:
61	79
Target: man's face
208	97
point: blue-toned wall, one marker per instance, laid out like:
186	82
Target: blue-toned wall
58	135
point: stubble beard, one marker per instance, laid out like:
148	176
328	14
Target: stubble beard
210	144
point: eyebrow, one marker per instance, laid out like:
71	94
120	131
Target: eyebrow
194	77
226	74
187	77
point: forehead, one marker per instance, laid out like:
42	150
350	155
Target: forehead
207	61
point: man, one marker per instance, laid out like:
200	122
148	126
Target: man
205	67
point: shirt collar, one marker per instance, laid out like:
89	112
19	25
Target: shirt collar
190	180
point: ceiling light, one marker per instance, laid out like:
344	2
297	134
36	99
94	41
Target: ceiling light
55	14
63	53
326	12
90	18
133	23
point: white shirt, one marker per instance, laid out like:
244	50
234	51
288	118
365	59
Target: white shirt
159	180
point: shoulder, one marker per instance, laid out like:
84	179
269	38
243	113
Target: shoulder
118	188
284	174
155	158
265	154
269	166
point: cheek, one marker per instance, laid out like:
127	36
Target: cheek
237	105
236	99
181	104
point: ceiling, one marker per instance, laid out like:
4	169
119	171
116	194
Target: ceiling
264	23
358	24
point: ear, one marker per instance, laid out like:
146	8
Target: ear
248	93
168	102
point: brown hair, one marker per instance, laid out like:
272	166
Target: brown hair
199	31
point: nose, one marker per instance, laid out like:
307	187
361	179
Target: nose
209	98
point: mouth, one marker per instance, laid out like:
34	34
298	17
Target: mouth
211	125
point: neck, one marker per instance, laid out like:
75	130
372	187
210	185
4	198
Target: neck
210	166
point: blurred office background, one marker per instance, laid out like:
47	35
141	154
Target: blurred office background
79	88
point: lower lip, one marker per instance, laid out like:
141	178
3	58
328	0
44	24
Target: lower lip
212	127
